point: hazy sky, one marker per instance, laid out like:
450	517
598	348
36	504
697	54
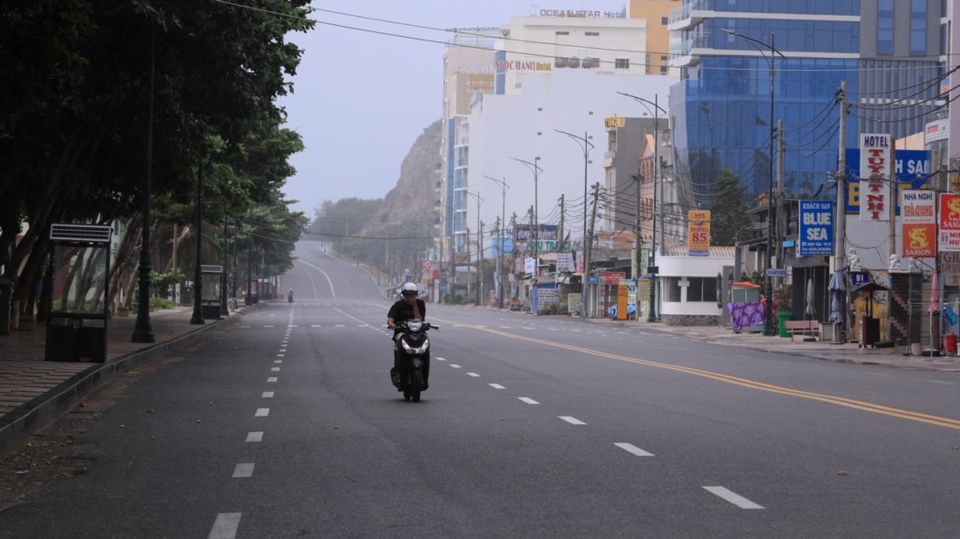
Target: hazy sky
361	99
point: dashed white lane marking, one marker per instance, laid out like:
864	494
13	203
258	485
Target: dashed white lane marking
340	326
253	437
528	400
458	325
269	326
316	326
225	527
262	412
274	369
473	374
572	420
630	448
939	382
292	326
272	380
244	327
733	498
441	359
497	386
268	394
363	326
278	361
505	327
455	366
244	469
281	355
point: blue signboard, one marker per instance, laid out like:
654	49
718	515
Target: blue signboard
816	228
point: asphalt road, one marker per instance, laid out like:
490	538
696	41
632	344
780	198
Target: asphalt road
286	425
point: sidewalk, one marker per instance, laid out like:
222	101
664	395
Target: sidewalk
34	391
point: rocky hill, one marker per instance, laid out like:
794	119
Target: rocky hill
414	196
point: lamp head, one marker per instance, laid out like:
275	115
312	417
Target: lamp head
727	31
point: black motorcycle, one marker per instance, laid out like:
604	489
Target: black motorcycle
415	358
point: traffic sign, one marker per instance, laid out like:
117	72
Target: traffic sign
427	265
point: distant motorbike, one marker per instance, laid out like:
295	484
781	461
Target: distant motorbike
289	298
415	357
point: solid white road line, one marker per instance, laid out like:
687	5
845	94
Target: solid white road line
497	386
272	380
225	527
244	469
939	382
733	498
268	394
262	412
473	374
528	400
572	420
630	448
254	437
455	366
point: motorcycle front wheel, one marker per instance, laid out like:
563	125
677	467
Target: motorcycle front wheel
416	380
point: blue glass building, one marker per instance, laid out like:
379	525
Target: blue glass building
889	54
721	107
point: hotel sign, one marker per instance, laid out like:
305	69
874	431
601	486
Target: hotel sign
876	169
583	13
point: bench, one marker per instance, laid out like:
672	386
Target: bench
803	327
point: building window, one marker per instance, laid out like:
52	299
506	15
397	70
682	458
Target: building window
673	289
562	33
664	70
884	26
591	33
702	290
918	27
622	63
664	20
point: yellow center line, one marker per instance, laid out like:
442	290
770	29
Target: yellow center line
939	421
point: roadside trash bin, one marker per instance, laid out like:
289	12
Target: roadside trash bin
782	318
950	343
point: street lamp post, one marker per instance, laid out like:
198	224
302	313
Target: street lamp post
768	328
587	146
479	246
536	202
143	330
197	318
652	262
503	226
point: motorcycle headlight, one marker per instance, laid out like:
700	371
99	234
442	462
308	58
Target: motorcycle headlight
422	349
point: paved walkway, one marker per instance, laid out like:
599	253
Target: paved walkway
34	391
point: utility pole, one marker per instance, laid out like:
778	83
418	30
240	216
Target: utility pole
559	245
588	249
513	250
499	289
781	225
479	262
841	221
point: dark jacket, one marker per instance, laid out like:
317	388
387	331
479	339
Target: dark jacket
401	311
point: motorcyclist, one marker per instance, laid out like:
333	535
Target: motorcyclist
408	307
290	295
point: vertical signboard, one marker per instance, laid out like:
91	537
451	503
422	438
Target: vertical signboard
875	172
816	228
949	222
918	211
698	233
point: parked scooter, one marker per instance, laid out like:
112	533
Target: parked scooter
415	358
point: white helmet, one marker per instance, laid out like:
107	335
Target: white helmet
409	289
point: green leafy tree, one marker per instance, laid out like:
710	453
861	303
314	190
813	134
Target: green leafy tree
76	103
728	215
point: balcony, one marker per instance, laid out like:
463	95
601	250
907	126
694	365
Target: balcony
690	15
